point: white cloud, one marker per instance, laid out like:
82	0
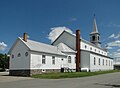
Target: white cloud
3	46
112	36
116	54
73	19
111	24
115	36
56	31
118	50
110	54
115	43
108	47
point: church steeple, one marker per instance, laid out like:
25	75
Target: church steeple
95	29
95	35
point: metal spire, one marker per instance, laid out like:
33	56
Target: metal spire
95	29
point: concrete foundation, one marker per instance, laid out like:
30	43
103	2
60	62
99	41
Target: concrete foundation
22	72
28	72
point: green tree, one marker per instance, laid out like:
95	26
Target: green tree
4	61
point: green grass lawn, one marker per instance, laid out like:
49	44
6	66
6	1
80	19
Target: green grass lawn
71	75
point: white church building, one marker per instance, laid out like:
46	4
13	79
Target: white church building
67	53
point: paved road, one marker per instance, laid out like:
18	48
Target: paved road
4	78
111	80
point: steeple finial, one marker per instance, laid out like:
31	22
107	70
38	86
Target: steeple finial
94	15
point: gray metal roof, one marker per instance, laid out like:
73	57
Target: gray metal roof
42	47
95	28
64	48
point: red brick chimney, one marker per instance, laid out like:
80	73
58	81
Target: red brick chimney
25	37
78	68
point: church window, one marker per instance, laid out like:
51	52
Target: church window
12	56
93	38
62	59
26	54
95	49
99	51
109	63
90	48
98	37
53	60
106	62
18	55
94	61
43	59
99	61
69	59
85	46
103	61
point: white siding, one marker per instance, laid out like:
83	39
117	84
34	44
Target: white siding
98	67
21	62
85	59
36	61
88	47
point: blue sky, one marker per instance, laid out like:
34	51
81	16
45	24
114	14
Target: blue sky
37	17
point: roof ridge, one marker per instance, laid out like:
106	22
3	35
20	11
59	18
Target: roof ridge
40	42
64	47
42	47
60	35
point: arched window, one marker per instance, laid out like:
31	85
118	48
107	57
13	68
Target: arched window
18	55
109	62
99	61
106	62
94	61
26	53
90	48
95	49
103	61
69	59
93	38
98	38
12	56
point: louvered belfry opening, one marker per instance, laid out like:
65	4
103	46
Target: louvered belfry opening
78	68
